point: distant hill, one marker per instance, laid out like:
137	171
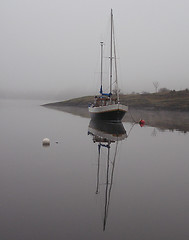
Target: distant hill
171	101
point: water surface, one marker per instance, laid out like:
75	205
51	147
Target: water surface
63	192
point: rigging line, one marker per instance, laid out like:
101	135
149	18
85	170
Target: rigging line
132	117
115	57
130	129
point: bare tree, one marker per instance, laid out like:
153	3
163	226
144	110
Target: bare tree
156	85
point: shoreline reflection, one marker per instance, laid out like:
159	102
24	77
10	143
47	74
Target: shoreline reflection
162	120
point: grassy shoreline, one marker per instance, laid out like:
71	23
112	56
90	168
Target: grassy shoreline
169	101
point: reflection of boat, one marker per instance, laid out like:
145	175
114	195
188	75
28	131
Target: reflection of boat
106	131
107	106
105	134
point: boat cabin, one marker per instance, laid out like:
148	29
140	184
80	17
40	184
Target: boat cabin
104	101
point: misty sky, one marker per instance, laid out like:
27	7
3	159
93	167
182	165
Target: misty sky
52	46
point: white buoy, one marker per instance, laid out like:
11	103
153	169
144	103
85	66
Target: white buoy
46	142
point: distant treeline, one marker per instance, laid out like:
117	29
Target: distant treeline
163	100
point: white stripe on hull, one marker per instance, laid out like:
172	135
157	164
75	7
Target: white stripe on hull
110	137
108	108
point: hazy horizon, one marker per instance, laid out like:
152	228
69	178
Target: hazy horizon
52	48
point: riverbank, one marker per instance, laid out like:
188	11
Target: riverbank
168	101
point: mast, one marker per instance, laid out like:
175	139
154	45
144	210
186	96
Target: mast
116	78
101	67
111	55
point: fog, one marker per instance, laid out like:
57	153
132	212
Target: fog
51	48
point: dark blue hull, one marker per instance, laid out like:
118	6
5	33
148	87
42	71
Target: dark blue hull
111	116
115	129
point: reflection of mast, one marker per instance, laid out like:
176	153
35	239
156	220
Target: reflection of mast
106	205
98	170
112	173
109	178
105	134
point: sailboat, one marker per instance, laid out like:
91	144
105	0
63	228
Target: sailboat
107	106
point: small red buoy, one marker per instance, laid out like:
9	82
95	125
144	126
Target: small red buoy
142	122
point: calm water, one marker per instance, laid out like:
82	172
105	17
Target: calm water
68	191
